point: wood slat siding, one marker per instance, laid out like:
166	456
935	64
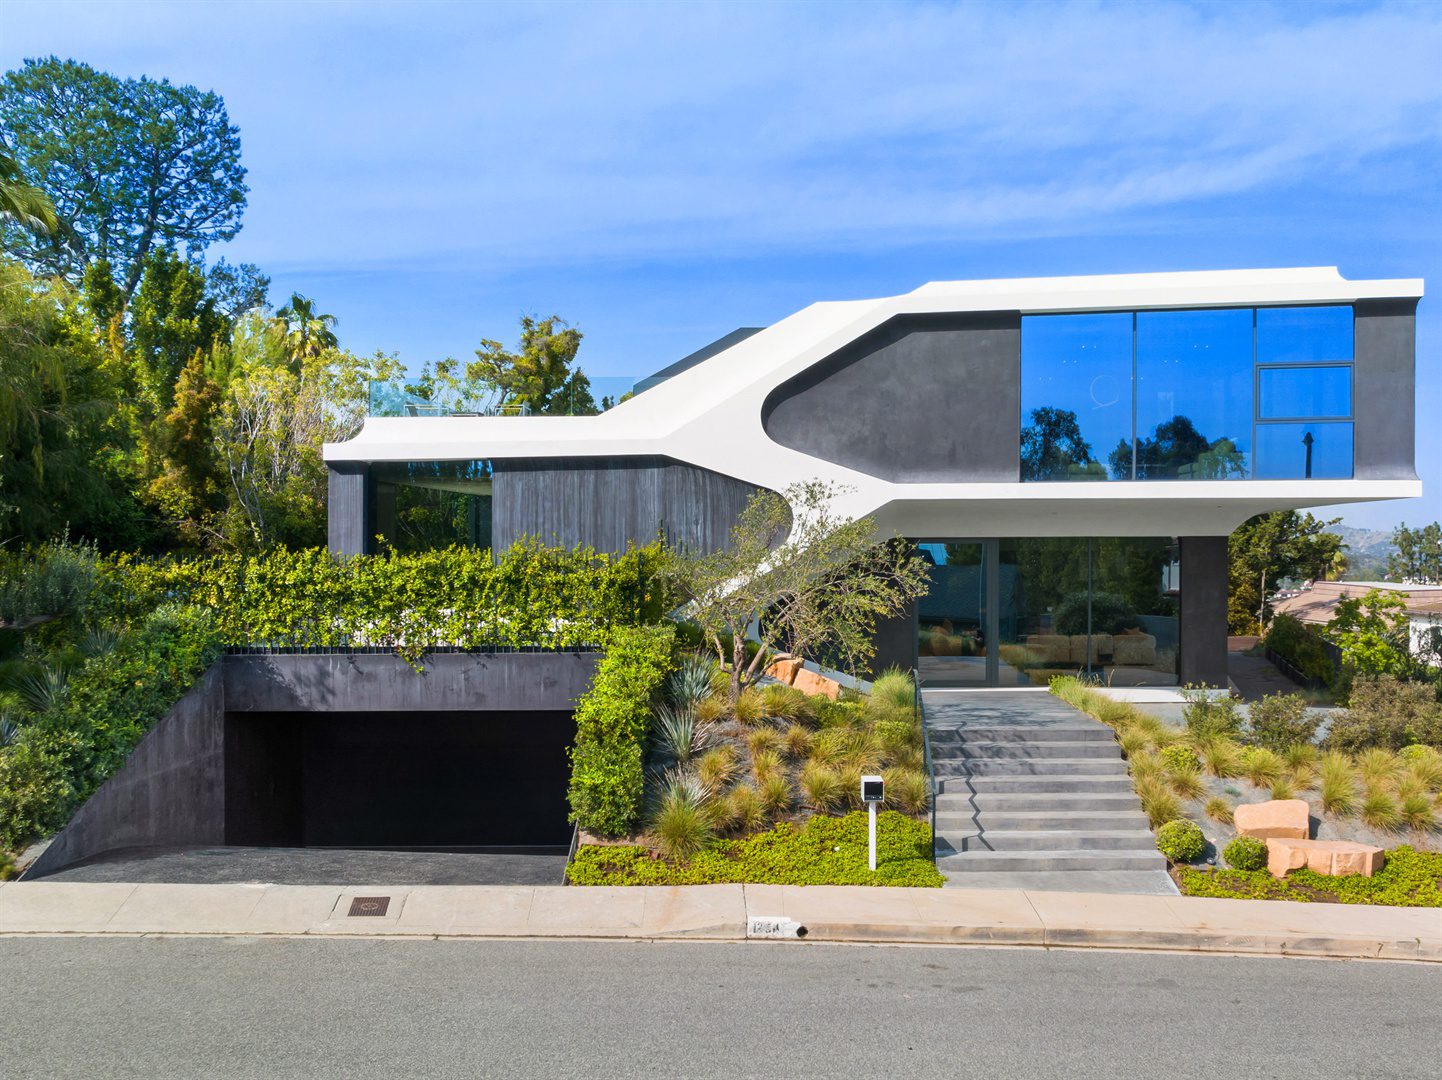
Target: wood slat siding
606	503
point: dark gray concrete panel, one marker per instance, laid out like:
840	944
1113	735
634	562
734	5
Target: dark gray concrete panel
608	503
896	641
922	398
348	508
1384	445
170	791
383	682
1202	657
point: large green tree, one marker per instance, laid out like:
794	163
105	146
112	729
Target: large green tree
131	165
1268	549
540	375
1418	557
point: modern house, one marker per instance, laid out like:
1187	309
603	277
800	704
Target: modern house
1069	453
1422	608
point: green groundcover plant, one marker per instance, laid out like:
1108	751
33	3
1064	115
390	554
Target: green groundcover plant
1409	879
823	851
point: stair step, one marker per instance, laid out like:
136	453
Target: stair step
995	751
962	821
1120	783
1036	801
1006	733
967	861
1113	766
1047	840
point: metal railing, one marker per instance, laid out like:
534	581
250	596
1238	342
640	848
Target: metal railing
919	706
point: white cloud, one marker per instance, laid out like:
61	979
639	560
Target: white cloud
456	133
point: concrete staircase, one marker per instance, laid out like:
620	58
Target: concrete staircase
1035	794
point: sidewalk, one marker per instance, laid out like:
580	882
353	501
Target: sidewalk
733	913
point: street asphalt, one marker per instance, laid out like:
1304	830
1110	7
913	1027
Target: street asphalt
285	1007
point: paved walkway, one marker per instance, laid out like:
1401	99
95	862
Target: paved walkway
731	913
317	866
1255	677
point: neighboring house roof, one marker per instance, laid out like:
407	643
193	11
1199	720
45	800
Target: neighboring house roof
710	415
1317	603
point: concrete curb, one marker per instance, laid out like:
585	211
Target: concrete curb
733	913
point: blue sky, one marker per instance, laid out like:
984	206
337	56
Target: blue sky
662	173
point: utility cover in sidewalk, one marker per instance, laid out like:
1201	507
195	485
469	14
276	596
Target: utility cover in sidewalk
369	905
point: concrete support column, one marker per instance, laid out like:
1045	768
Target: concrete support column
348	507
1202	655
383	512
896	641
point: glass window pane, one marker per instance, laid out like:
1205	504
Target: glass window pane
1304	451
1194	394
1076	400
951	617
1304	333
1304	392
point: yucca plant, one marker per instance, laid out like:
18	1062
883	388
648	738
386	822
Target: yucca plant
1158	801
99	641
1219	809
1380	810
9	729
718	767
822	787
43	688
693	680
1187	783
775	792
1338	784
678	733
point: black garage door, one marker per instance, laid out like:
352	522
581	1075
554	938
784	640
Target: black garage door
448	780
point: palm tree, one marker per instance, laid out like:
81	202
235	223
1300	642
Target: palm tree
306	333
22	202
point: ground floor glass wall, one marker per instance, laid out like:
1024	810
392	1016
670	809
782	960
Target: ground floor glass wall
1016	611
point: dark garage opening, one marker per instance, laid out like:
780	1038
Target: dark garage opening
454	780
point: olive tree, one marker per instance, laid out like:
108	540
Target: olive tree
798	577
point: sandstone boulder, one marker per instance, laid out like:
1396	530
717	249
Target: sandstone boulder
809	682
1334	858
1280	817
784	668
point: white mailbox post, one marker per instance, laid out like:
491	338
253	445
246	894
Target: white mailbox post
873	790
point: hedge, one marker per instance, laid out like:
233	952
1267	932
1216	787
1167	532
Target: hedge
823	851
607	760
530	595
111	701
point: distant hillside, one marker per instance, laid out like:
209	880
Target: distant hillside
1367	551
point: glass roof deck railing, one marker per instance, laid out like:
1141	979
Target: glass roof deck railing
603	392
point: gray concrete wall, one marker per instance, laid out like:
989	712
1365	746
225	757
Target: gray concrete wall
176	787
920	399
1202	653
1384	446
383	682
607	503
169	792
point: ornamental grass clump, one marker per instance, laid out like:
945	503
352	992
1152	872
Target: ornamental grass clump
1147	767
1159	803
1133	742
1283	788
766	763
1378	767
1415	804
1187	783
1338	785
796	741
822	787
785	703
744	809
894	689
763	740
775	792
1380	810
749	707
1425	767
718	766
1219	809
683	822
1221	756
1261	766
1181	841
908	790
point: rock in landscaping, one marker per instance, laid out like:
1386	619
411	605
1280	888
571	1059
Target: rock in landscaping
809	682
784	668
1333	858
1280	817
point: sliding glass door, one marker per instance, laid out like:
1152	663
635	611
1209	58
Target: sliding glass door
953	618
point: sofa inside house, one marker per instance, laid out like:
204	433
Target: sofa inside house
1132	648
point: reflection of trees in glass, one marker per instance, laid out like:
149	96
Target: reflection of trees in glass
1049	570
1177	449
1052	448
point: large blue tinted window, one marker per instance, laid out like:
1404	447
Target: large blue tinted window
1304	451
1304	392
1076	397
1293	335
1194	394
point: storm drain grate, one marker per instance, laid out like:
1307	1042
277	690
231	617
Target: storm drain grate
369	905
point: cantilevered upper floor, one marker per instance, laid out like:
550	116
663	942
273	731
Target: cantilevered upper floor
1137	404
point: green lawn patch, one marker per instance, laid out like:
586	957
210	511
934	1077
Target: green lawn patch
1409	879
823	851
